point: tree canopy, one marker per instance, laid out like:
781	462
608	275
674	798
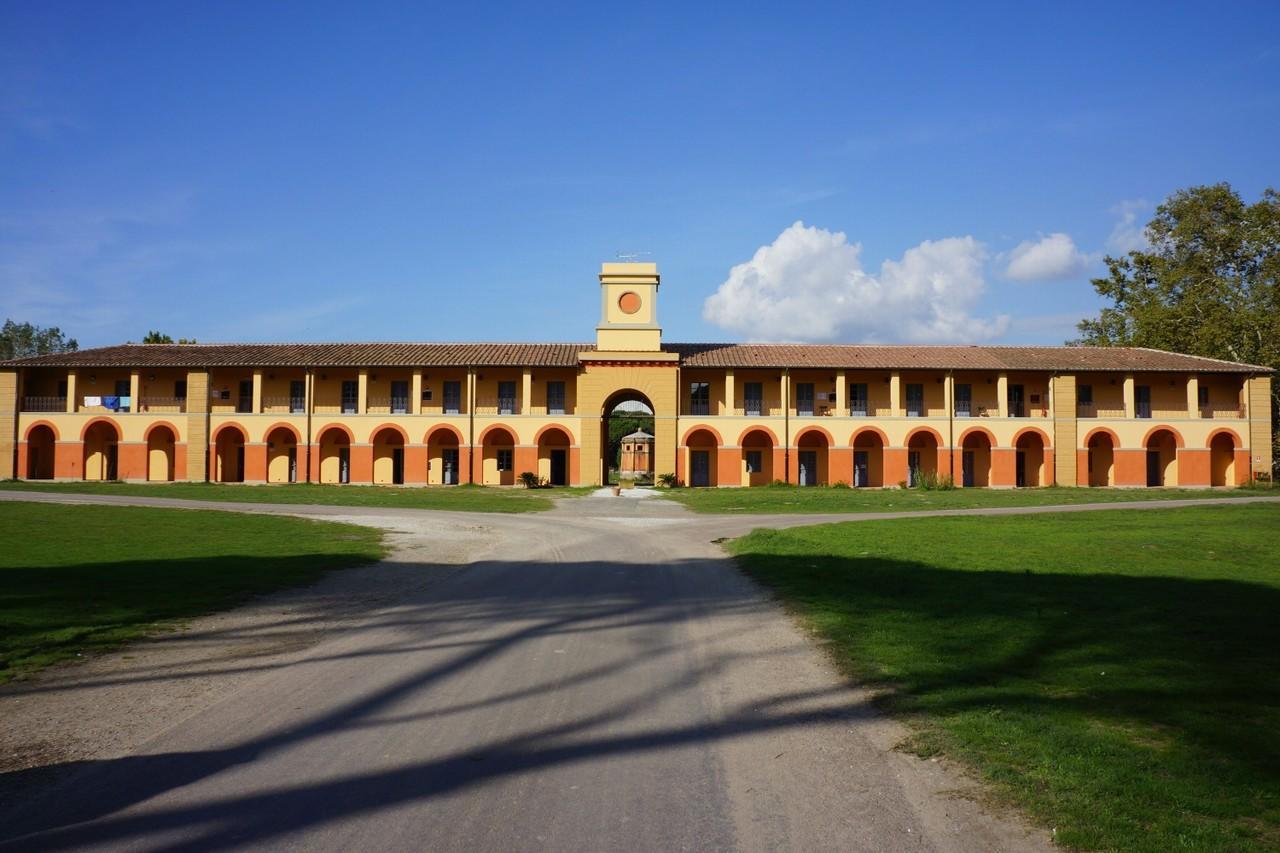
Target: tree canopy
23	340
154	337
1207	284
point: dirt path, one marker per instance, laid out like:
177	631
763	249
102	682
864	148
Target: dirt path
596	677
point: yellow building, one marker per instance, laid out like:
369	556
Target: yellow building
724	414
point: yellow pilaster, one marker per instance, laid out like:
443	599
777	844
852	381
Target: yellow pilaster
526	391
8	423
948	395
197	425
257	392
842	393
1065	429
1002	394
1258	401
135	387
415	393
730	394
1193	396
1129	406
72	394
785	388
895	394
362	393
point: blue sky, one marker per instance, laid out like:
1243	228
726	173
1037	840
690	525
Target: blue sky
271	171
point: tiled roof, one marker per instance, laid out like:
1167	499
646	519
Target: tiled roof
907	357
850	357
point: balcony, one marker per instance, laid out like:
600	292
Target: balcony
498	406
1212	412
286	404
163	405
44	404
387	405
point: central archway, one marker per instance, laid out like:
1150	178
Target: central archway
624	412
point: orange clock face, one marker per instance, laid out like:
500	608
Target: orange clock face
629	302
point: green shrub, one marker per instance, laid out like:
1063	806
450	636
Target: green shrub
530	480
839	484
668	481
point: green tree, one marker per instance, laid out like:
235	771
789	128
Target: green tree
1208	284
22	340
161	338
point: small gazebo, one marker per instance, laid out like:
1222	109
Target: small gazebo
636	462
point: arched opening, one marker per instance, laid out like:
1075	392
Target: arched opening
282	456
868	459
553	456
335	456
160	454
1101	459
228	457
975	460
757	458
40	448
703	455
388	457
811	458
498	457
101	443
1222	460
1162	459
443	463
922	457
1029	463
624	413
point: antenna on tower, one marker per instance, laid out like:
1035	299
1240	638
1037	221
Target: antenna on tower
632	257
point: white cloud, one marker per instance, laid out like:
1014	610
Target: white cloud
1127	235
809	285
1052	257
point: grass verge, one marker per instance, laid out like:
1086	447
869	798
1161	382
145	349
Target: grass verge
79	579
1112	673
793	499
458	498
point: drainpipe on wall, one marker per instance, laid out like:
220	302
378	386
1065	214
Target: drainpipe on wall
310	400
951	422
786	425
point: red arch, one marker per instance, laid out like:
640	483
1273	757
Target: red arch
26	436
146	435
764	429
373	433
978	430
1044	436
884	439
1177	436
937	436
1115	439
85	430
297	436
795	441
1237	444
684	442
351	438
213	439
457	433
537	439
515	437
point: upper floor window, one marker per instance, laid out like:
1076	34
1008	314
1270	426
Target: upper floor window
180	389
506	398
1142	401
858	399
244	403
1202	396
964	400
399	397
753	397
1017	407
297	395
555	398
699	398
1084	395
915	400
804	398
452	398
350	396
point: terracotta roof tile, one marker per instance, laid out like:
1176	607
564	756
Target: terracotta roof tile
852	357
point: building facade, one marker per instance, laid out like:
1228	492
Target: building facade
724	414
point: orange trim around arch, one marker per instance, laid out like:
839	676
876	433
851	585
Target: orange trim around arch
146	434
1237	444
795	439
515	436
684	442
457	433
937	436
1115	439
26	436
977	430
297	436
351	437
213	439
568	433
764	429
884	439
1177	436
85	429
1044	436
373	433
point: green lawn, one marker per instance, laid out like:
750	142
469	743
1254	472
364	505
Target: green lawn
80	579
1115	674
460	498
792	499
